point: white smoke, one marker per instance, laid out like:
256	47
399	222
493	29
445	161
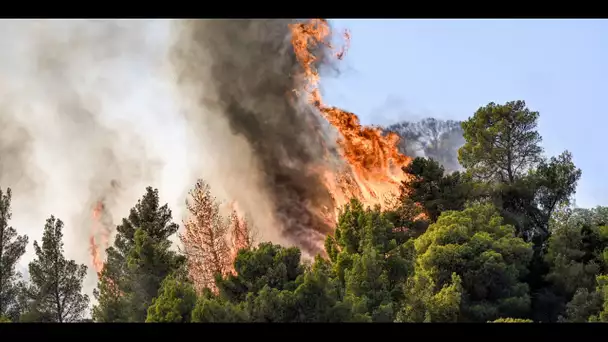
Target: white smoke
91	106
83	103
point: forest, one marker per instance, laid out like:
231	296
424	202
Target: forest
484	231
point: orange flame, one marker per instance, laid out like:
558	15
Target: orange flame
240	230
97	228
239	233
373	158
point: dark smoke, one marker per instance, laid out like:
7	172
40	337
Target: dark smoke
244	72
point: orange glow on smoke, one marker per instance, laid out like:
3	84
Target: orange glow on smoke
374	161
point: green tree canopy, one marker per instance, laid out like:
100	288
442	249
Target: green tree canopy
175	302
576	256
501	142
137	264
371	258
502	151
267	265
472	250
576	250
602	290
433	189
272	285
56	283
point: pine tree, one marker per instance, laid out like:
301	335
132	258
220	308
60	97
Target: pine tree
56	283
12	248
112	304
175	302
137	263
205	238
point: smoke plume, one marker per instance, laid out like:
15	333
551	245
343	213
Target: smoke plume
93	111
83	119
237	79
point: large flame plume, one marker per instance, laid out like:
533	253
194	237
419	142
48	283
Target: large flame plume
309	180
241	128
373	157
274	154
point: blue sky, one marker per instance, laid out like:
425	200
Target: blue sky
409	69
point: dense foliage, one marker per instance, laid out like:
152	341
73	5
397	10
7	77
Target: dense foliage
499	242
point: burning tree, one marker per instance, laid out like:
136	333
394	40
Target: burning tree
243	236
205	238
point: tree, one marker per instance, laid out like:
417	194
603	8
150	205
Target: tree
503	156
589	306
12	248
214	310
575	250
602	290
149	262
56	282
260	289
473	253
530	201
434	190
584	305
271	285
502	151
501	142
367	282
371	259
318	297
112	305
175	302
556	182
361	282
423	304
138	262
266	265
575	256
205	238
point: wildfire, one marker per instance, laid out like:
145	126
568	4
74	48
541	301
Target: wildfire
98	229
373	158
372	173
